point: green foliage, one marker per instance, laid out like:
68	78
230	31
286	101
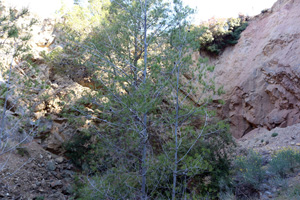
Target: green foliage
227	196
79	149
295	192
135	108
221	33
274	134
216	152
15	35
284	161
209	161
291	192
57	59
40	198
22	151
114	183
14	45
249	170
249	173
11	29
3	90
54	56
13	32
83	19
265	10
279	182
193	33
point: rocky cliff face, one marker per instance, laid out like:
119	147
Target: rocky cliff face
261	74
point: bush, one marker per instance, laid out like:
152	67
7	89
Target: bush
220	34
249	170
290	193
295	191
284	161
78	149
115	173
274	134
114	184
23	151
279	182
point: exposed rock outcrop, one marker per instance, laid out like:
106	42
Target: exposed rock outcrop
261	74
38	94
30	172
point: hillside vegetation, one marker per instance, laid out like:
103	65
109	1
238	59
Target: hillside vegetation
144	138
114	93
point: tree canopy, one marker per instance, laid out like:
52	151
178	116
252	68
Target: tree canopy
142	142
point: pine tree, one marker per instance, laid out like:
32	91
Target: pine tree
145	146
13	44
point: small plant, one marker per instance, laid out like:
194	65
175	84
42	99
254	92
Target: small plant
274	134
295	191
22	151
40	198
46	97
291	193
285	161
265	11
227	196
279	182
78	149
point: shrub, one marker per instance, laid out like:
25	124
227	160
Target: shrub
23	151
295	191
114	184
279	182
116	172
290	193
220	33
40	198
274	134
227	196
284	160
265	11
249	170
78	149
